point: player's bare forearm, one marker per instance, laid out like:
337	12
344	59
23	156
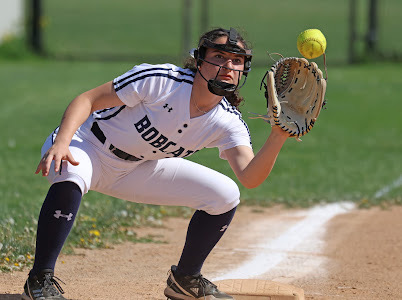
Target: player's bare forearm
75	115
82	106
261	165
253	170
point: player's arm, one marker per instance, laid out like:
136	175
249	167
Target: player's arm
250	169
103	96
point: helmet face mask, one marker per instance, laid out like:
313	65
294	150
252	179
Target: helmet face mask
231	46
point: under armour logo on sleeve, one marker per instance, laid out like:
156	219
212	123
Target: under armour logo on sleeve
168	108
58	214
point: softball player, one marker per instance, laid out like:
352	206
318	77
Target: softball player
128	139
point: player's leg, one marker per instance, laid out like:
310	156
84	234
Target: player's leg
55	222
175	182
181	182
56	219
204	232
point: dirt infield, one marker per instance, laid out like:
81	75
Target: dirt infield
355	255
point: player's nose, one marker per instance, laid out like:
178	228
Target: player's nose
229	63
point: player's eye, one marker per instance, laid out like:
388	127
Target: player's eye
219	57
237	61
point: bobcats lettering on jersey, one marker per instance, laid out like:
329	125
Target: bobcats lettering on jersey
157	140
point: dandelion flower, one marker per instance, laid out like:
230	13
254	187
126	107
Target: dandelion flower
94	232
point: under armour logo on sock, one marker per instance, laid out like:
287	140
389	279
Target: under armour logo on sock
58	214
224	228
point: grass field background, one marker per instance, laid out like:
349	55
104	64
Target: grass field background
154	29
353	152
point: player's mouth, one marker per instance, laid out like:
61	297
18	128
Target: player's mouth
225	77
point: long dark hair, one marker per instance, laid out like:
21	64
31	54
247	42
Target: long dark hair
190	63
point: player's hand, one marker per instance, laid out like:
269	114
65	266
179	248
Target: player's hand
56	153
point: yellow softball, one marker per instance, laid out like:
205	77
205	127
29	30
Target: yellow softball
311	43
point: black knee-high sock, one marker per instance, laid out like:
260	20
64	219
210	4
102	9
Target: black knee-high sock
56	219
204	232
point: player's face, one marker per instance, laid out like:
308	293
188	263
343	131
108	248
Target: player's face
230	63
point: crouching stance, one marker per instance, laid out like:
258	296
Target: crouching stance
129	138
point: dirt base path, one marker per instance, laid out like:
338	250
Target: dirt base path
355	254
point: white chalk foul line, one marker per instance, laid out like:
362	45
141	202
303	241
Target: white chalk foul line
277	250
385	190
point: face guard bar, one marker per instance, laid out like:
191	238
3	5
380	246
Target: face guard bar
215	86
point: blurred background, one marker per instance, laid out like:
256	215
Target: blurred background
357	30
53	50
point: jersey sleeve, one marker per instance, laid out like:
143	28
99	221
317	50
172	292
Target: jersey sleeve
140	84
236	134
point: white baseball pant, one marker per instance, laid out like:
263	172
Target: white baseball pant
170	181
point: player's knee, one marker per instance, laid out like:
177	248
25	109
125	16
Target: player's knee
232	191
69	177
227	197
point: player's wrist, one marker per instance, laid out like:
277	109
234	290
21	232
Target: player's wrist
62	141
276	131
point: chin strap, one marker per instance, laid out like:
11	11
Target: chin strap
221	88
